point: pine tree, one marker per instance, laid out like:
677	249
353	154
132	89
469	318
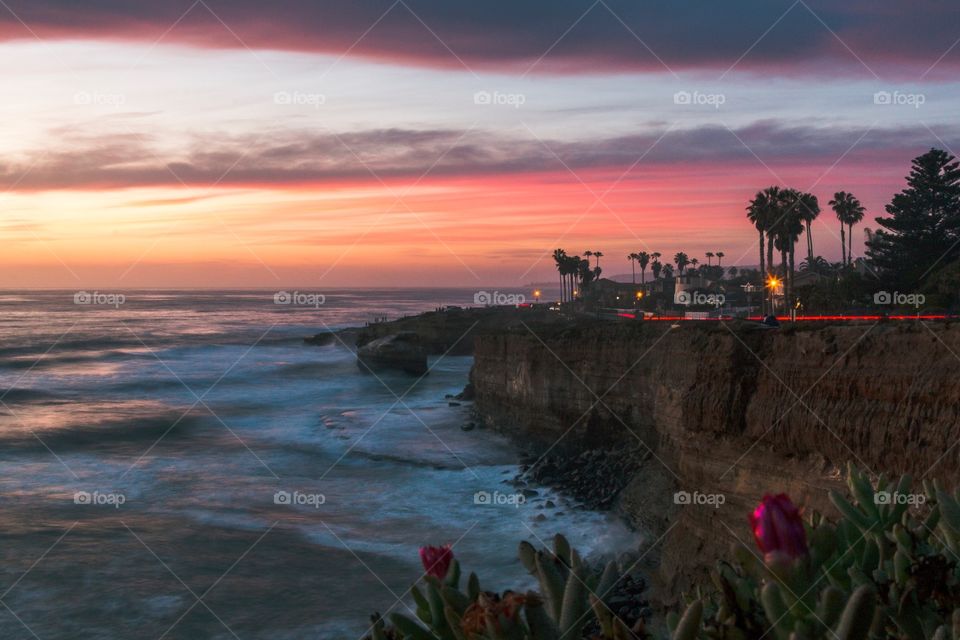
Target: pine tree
922	233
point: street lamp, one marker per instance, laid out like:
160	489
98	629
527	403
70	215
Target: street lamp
773	282
536	295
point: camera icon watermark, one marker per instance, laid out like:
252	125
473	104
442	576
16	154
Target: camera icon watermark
915	300
299	99
899	98
497	298
697	98
299	299
96	498
299	499
99	99
499	499
697	297
498	99
685	498
97	298
896	498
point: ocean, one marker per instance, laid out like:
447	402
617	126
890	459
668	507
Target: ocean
179	464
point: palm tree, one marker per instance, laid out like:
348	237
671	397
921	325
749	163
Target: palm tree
656	268
760	212
598	255
849	212
720	256
560	256
856	215
572	267
809	210
643	258
667	271
817	265
709	255
681	260
633	270
787	229
584	273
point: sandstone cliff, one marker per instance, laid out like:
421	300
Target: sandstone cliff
728	409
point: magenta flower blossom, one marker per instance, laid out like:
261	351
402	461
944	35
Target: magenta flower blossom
436	560
778	528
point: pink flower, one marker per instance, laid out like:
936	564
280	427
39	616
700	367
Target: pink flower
436	560
778	528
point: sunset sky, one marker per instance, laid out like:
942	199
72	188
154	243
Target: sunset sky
214	143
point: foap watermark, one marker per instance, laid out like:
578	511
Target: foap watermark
912	499
299	299
899	99
498	99
697	98
100	499
915	300
299	499
98	298
499	499
497	298
714	500
99	99
299	99
696	297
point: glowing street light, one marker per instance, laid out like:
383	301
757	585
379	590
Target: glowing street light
639	295
536	295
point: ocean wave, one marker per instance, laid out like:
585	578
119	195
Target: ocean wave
106	433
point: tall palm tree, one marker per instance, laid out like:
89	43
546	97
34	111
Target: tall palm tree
856	215
720	255
761	212
809	210
633	270
598	255
643	258
774	204
560	256
694	263
709	255
849	212
572	267
681	260
656	267
667	271
787	229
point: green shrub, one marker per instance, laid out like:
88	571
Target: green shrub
886	569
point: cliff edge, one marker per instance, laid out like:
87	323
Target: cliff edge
725	412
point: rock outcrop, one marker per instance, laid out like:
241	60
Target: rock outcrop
724	412
400	351
452	330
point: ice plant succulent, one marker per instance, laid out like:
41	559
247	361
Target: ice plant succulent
436	560
778	527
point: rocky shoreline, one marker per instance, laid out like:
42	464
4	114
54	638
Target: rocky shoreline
723	410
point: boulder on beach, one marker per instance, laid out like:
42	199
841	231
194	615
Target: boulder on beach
401	351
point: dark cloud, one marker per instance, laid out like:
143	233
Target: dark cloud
305	158
814	35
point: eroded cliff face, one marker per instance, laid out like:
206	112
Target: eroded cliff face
728	410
